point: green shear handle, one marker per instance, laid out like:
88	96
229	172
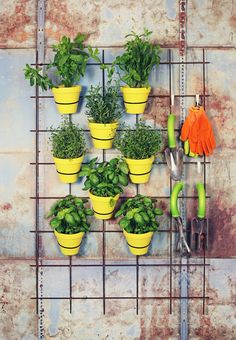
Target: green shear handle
174	198
201	200
171	131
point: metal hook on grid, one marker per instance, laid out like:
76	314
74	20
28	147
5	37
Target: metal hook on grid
198	100
199	166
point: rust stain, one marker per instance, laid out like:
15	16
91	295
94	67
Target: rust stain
222	236
220	104
162	205
14	25
61	20
6	206
158	325
15	300
232	21
155	323
207	331
156	109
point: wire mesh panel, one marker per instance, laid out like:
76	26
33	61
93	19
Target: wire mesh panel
104	251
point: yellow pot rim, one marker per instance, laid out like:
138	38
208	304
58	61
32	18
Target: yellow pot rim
68	160
102	198
138	236
62	89
101	125
68	236
141	161
128	89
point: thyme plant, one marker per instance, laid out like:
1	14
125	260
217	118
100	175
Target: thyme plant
67	140
138	143
103	107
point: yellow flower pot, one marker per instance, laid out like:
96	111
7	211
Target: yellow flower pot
68	169
103	210
103	134
135	99
138	243
66	98
140	169
69	243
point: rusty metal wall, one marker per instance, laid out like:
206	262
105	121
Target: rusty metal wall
211	24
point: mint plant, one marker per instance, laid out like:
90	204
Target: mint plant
67	140
139	215
140	142
136	63
70	61
69	215
106	179
103	107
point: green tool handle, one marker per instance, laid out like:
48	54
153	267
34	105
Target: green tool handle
171	131
174	198
201	200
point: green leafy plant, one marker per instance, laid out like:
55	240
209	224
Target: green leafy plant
36	78
139	143
67	140
103	107
70	61
105	179
69	215
139	215
136	63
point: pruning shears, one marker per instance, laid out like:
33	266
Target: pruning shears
182	245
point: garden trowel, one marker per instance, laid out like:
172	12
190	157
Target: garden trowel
199	225
173	154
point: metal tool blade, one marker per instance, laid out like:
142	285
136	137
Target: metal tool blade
174	160
182	245
199	234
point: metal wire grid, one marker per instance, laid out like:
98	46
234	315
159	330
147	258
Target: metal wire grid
39	260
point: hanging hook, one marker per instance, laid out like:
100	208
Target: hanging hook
199	167
197	100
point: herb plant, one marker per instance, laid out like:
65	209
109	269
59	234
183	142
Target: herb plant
67	140
139	143
36	78
137	61
69	215
105	179
103	107
70	61
139	215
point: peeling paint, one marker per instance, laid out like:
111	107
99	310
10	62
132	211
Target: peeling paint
18	22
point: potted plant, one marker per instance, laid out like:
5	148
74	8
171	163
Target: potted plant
68	149
134	68
103	113
68	218
139	147
138	222
105	182
69	64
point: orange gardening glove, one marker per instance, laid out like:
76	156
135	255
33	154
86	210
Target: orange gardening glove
201	137
186	130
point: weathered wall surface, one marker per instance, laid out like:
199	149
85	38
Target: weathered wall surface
210	24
